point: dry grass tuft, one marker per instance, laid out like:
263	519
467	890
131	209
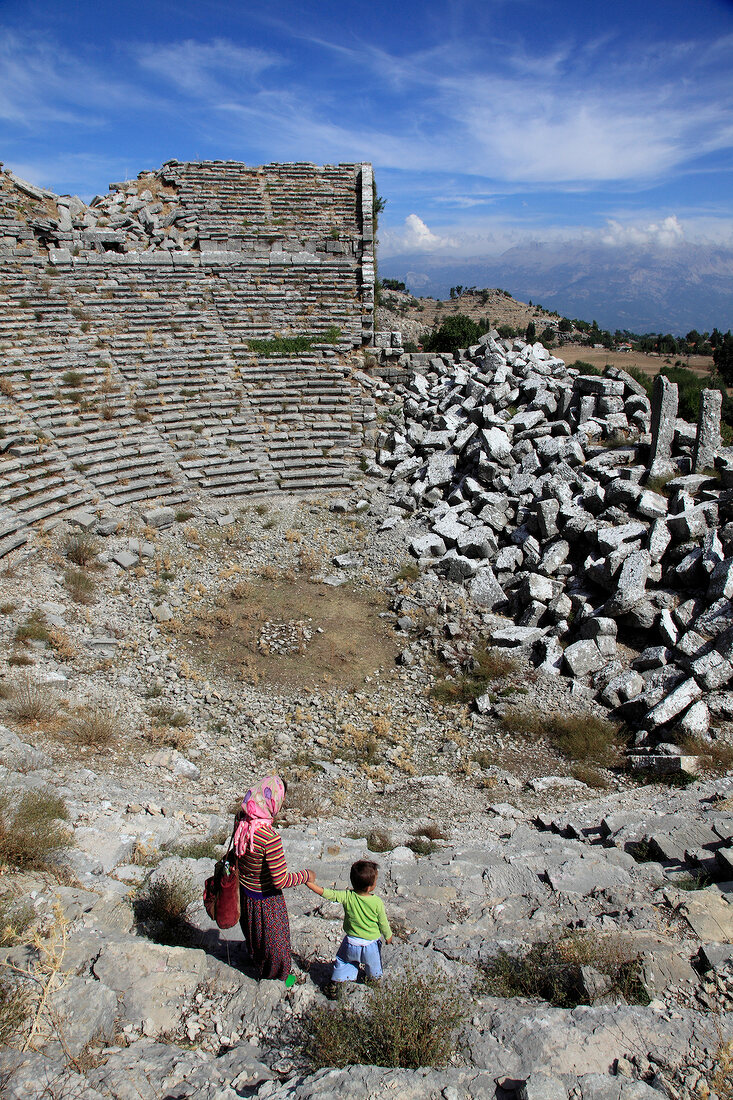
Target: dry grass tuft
715	756
80	586
30	700
31	826
81	548
579	737
722	1080
160	909
34	629
94	727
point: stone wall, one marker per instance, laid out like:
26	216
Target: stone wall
127	372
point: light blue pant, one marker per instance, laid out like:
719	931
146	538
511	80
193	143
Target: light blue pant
349	956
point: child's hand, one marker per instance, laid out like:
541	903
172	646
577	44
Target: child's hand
310	876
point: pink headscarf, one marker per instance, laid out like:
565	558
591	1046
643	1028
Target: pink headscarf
259	806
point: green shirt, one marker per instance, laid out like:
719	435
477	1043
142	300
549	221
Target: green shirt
364	915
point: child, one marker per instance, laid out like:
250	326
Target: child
364	919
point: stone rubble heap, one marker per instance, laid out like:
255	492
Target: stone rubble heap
537	488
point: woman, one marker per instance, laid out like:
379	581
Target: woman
263	875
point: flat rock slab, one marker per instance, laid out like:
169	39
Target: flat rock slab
709	915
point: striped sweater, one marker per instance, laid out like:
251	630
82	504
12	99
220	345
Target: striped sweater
263	869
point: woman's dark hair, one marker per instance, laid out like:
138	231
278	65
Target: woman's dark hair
363	874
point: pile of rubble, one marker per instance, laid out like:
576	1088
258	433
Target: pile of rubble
599	522
131	217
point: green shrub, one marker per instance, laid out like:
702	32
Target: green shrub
31	826
551	971
408	572
160	909
590	776
455	333
486	665
379	841
210	848
409	1020
293	345
34	629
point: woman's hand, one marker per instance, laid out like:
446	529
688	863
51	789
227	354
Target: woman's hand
310	875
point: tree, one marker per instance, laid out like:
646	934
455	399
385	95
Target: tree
565	325
455	333
723	358
547	336
530	334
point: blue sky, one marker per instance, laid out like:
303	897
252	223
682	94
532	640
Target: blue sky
489	123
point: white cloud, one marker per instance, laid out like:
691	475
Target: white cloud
662	234
415	236
204	69
41	83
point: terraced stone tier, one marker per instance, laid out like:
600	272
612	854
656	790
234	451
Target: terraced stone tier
128	371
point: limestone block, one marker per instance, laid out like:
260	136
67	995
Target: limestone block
721	580
512	636
449	529
497	445
664	413
547	513
456	567
125	559
440	470
583	657
428	546
536	587
158	517
659	540
85	1010
611	538
652	505
707	441
712	671
87	521
555	556
477	542
630	584
696	721
539	1086
485	590
674	704
688	525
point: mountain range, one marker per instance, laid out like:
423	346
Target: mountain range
642	289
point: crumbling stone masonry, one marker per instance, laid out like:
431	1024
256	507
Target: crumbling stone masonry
128	371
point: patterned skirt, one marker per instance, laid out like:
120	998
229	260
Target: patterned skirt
266	929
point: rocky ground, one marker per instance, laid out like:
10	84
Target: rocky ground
153	662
